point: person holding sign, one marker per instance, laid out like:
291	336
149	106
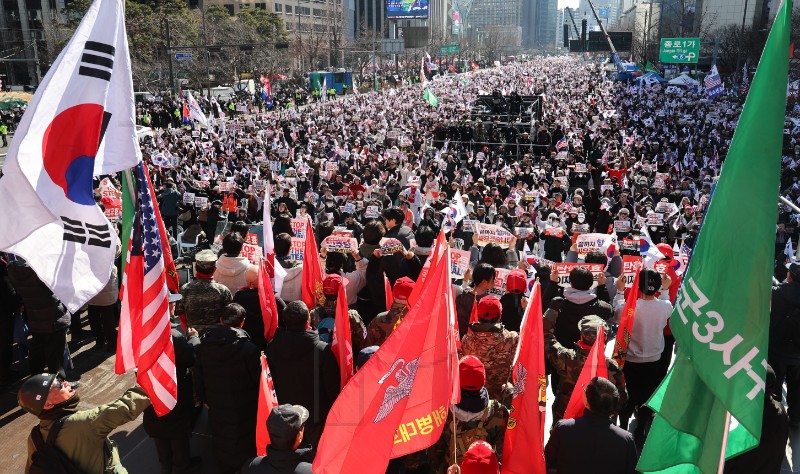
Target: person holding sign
642	369
555	239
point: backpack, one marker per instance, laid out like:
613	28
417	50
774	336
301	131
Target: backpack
48	459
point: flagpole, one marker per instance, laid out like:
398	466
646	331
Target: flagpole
724	442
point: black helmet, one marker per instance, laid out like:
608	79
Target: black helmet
33	393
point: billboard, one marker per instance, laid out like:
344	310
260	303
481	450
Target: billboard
405	9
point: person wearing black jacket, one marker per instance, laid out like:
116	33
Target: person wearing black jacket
172	431
9	305
784	340
48	319
227	374
304	369
284	452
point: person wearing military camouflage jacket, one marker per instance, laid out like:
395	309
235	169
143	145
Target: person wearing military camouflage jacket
494	345
569	362
477	418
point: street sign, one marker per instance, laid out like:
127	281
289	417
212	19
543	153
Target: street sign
452	49
183	56
679	50
393	46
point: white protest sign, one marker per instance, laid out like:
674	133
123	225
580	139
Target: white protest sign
252	252
654	219
562	271
606	187
630	266
459	263
589	243
470	225
297	249
500	281
299	227
371	212
188	198
200	202
334	243
621	226
492	234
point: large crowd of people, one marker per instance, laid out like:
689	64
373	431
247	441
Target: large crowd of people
390	169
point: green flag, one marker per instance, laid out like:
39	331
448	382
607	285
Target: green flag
432	99
128	193
376	83
721	316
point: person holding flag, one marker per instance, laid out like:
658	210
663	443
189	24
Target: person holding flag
477	418
569	363
707	389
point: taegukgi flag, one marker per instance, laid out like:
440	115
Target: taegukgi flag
79	124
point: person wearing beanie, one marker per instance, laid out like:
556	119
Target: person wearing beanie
568	363
493	344
482	280
480	459
643	371
324	316
604	447
477	418
384	323
286	452
227	375
203	298
82	435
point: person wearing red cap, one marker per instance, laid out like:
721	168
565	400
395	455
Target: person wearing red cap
479	459
478	418
494	345
384	323
323	316
514	301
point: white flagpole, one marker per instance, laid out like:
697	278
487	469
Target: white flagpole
721	467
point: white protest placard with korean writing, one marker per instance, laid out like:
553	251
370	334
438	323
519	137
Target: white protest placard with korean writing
188	198
630	266
562	271
500	281
335	243
589	243
200	202
492	234
622	225
469	225
371	212
654	219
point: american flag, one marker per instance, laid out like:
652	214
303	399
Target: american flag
145	333
745	82
713	83
561	144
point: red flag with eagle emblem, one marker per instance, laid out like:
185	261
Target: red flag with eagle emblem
397	403
626	322
523	447
312	272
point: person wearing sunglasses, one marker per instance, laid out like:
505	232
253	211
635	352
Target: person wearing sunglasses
82	435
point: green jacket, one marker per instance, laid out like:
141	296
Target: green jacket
84	436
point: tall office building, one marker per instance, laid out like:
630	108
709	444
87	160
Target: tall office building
539	20
29	37
498	18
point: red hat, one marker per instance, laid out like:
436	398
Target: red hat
517	281
480	459
331	284
471	373
489	308
666	250
402	289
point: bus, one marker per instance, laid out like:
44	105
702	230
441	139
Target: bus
333	80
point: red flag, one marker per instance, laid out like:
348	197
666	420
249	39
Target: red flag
438	248
595	366
267	400
269	241
169	264
523	448
626	323
341	343
397	403
144	340
266	297
387	288
312	272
